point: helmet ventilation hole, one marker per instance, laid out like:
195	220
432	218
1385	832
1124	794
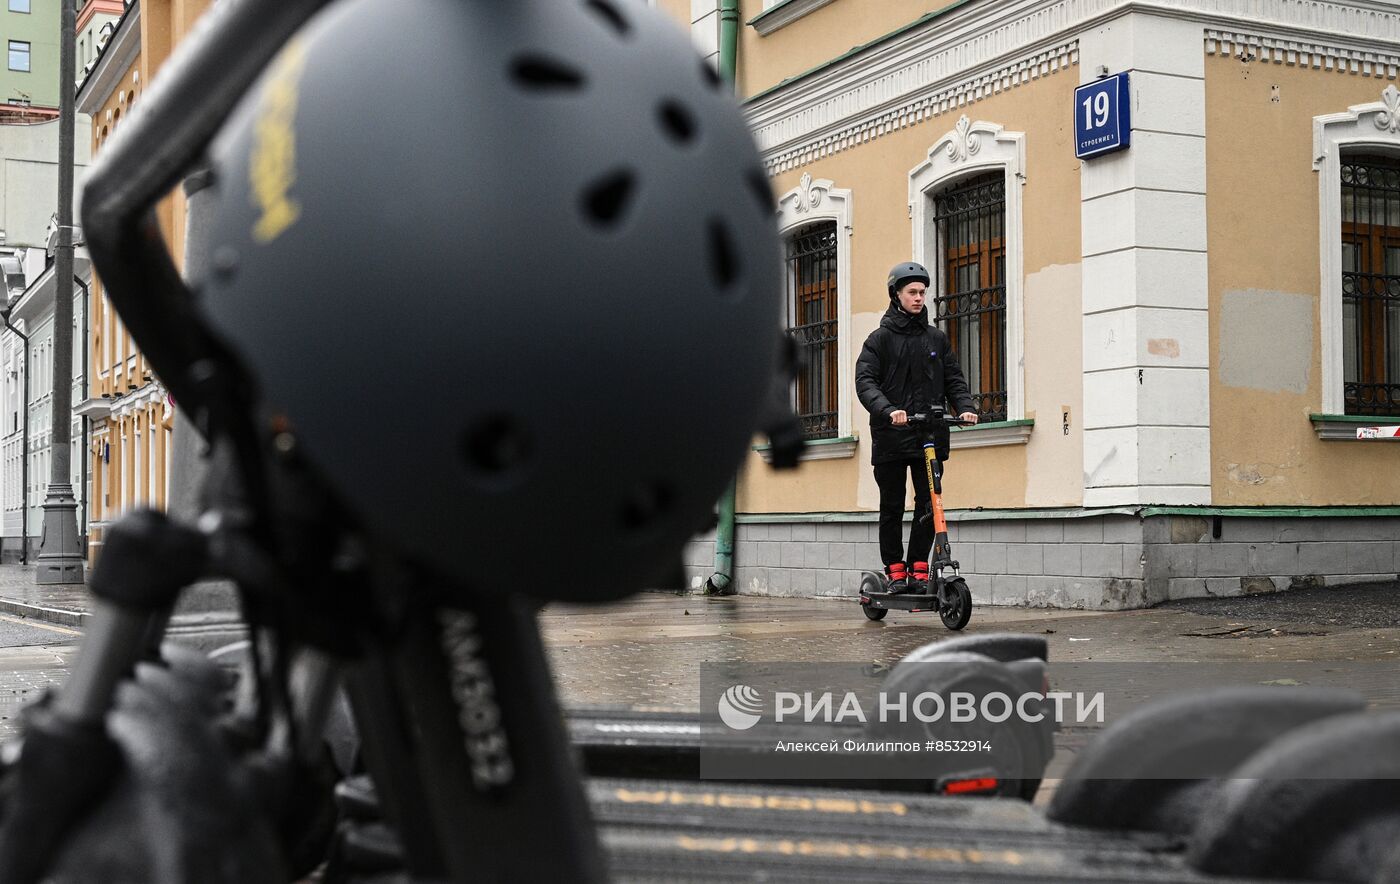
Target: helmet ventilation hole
610	14
724	261
496	445
545	74
710	75
677	122
761	190
606	199
647	503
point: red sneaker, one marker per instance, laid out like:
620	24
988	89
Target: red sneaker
899	578
918	579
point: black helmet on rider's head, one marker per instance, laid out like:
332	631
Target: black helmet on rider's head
370	224
902	274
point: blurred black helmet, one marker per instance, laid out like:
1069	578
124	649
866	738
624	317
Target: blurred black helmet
903	274
510	272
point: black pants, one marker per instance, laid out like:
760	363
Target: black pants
891	479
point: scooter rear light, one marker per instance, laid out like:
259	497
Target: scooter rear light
977	786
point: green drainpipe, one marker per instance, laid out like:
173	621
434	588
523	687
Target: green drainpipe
722	581
728	40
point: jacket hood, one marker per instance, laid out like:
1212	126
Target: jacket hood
896	320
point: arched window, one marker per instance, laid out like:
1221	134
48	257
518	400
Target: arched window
812	322
969	227
1370	232
965	208
815	219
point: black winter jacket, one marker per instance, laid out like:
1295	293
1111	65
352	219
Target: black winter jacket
906	364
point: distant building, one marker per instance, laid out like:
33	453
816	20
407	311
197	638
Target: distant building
97	20
32	312
28	198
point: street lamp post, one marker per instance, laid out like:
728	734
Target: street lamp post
60	552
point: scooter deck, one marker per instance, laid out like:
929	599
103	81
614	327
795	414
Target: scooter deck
668	746
903	601
725	831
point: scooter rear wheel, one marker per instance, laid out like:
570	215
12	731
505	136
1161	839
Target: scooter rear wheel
872	583
955	617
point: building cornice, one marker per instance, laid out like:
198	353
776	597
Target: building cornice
1281	48
36	302
94	8
119	53
980	49
149	393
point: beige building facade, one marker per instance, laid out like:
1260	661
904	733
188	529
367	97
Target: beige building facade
131	414
1172	345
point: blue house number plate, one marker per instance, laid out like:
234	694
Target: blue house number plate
1101	116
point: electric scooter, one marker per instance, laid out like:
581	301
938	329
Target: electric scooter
949	596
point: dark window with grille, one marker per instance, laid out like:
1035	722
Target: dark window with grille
1371	284
969	296
811	275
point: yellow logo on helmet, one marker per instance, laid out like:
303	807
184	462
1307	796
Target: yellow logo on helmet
272	167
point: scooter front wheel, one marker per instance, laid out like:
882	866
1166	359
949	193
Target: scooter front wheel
959	610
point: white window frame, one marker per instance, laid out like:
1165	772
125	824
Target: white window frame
820	200
1375	125
28	55
968	149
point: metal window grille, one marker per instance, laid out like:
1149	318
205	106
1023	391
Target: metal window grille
1371	285
811	280
969	303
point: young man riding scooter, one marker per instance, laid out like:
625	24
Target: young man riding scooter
906	366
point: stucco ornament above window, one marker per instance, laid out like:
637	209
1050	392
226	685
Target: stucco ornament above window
962	141
809	194
1348	128
1389	119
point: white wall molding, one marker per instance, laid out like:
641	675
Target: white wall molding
981	49
785	12
965	150
704	29
820	200
1146	350
895	114
818	449
989	435
1279	49
1374	125
136	401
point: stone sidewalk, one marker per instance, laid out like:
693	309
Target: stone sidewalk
64	605
206	616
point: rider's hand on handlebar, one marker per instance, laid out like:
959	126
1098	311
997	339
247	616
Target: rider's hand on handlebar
899	418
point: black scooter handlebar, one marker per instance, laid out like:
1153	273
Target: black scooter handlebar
936	417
